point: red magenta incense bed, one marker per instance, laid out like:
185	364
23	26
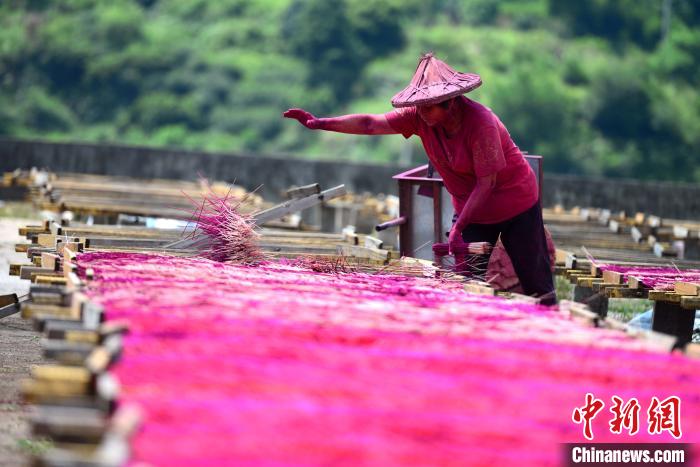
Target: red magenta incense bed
278	364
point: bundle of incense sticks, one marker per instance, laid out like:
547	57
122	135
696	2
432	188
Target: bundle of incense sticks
231	235
470	259
278	364
475	248
659	278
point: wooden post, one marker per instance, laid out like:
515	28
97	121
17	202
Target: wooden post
671	318
691	248
406	210
437	219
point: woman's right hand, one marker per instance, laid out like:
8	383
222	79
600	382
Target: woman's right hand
305	118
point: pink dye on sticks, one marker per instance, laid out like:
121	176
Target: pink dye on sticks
281	365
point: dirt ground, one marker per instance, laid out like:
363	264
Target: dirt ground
19	348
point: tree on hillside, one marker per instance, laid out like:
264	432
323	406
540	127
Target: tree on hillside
337	42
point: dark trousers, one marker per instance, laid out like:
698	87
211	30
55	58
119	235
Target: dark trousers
524	240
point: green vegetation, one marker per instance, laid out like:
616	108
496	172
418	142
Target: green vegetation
35	447
564	288
604	87
624	309
18	210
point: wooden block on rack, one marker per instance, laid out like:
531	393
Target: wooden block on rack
75	374
69	424
9	299
571	261
680	231
624	292
33	230
601	286
613	277
663	296
560	256
49	294
559	270
574	274
75	247
479	288
31	310
46	240
637	235
615	226
36	391
49	261
588	281
113	448
15	268
350	236
45	276
373	242
50	280
67	353
22	247
654	221
55	228
690	302
634	282
597	270
687	288
27	271
98	360
87	336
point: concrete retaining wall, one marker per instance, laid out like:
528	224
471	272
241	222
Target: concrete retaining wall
276	174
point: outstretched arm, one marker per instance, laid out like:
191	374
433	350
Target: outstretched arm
356	124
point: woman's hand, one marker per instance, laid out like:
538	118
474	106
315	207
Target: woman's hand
455	239
305	118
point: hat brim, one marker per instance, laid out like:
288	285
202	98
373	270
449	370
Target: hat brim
435	93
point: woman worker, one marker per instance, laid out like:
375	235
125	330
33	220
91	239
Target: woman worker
494	190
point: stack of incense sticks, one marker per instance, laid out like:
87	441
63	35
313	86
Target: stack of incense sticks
470	259
280	364
659	278
231	234
474	248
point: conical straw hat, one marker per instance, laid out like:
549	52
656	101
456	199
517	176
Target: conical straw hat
435	81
